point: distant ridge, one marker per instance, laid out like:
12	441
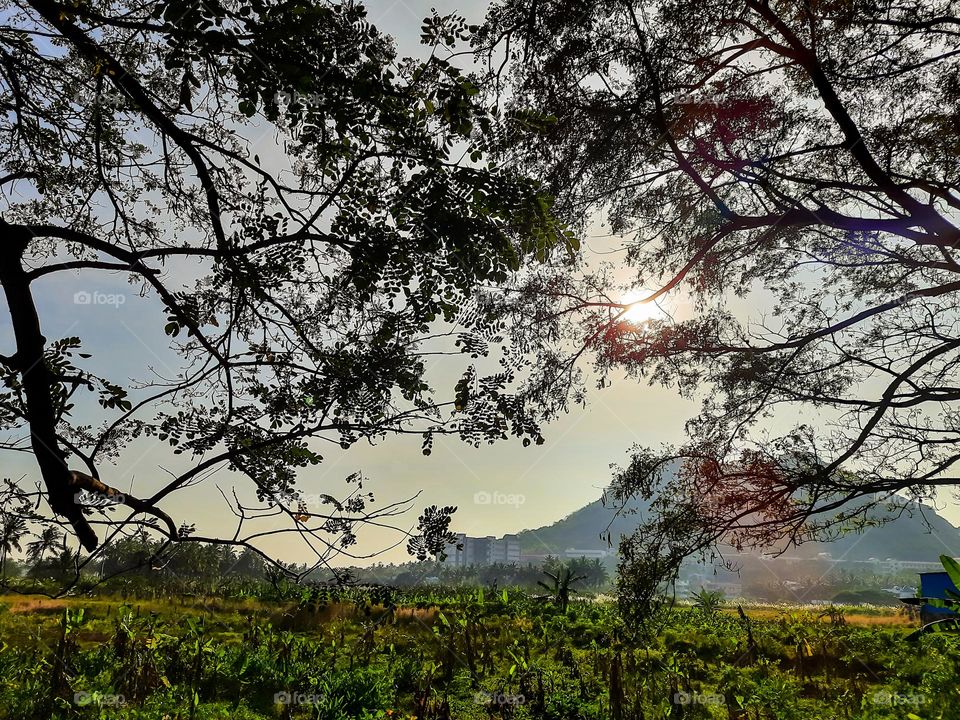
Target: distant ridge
582	530
905	538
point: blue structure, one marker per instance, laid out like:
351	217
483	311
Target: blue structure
935	585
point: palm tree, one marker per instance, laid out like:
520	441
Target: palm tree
12	530
48	539
562	580
594	571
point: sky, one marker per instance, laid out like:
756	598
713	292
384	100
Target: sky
498	489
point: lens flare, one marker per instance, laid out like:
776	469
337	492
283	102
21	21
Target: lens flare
639	312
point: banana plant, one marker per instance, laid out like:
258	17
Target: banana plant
561	588
708	602
950	602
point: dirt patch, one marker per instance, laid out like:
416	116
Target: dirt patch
38	606
424	616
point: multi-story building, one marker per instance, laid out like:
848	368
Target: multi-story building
506	550
455	553
482	550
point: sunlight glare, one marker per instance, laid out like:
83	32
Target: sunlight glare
639	312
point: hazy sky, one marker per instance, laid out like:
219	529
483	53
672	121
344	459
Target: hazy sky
552	480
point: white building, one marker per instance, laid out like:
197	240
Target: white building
483	551
506	550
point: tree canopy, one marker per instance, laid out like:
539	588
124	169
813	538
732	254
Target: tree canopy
795	159
308	218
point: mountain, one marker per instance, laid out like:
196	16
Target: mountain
920	533
582	530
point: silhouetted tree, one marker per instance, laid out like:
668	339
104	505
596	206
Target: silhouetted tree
803	156
12	530
334	203
592	570
561	584
50	537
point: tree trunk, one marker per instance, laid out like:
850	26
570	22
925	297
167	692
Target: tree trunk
38	384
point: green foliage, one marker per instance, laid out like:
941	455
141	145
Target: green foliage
952	568
708	601
469	654
751	158
561	585
322	277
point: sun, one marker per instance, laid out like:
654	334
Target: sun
639	312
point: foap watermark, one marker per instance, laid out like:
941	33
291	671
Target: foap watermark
86	697
486	698
286	697
315	500
498	498
286	102
84	297
88	498
705	97
103	99
303	99
885	697
697	698
906	299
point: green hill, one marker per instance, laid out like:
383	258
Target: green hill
919	533
584	529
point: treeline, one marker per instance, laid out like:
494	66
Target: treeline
139	559
593	573
140	563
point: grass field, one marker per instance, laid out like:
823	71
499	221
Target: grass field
461	654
